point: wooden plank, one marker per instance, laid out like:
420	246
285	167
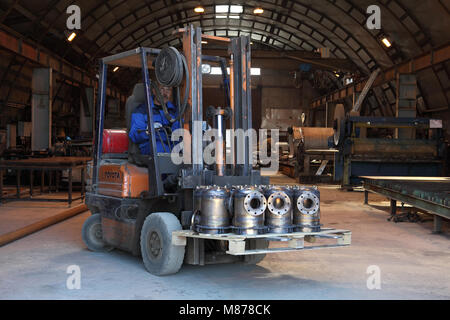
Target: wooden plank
232	236
346	239
296	243
277	250
236	247
178	240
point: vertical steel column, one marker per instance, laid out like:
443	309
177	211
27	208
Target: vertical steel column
100	114
154	175
393	205
437	224
197	100
70	186
41	109
219	141
231	156
18	183
193	145
247	107
405	103
240	49
1	185
86	110
82	182
31	183
187	117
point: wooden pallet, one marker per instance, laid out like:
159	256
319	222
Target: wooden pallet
295	240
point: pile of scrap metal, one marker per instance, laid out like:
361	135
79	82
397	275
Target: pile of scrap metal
310	158
378	146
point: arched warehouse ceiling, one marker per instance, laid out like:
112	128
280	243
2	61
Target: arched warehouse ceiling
110	26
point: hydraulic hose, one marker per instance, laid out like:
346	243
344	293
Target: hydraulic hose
169	67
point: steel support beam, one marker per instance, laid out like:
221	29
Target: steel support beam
86	111
240	49
37	55
41	109
418	63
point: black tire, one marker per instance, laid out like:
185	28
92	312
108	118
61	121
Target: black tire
159	255
92	234
255	244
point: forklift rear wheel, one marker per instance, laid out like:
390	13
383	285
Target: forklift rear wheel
159	255
255	244
92	234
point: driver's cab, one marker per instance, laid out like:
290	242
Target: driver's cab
137	98
123	171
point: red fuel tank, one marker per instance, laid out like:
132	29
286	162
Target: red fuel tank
115	141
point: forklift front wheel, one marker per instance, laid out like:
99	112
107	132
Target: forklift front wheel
160	256
92	234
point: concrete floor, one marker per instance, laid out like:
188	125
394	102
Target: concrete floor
413	262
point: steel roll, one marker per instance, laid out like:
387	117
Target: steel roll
312	137
307	209
249	205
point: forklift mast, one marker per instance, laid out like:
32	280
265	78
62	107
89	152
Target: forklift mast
159	164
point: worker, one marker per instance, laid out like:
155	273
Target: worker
163	128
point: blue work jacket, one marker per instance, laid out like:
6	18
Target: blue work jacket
139	126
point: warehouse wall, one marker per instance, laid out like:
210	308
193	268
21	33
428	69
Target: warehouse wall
271	90
15	97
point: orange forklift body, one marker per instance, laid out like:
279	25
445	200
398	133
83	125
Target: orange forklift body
123	180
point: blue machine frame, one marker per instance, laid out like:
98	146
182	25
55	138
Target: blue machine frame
359	156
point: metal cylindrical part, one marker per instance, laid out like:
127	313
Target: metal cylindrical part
198	198
214	216
313	137
279	209
249	205
219	144
307	209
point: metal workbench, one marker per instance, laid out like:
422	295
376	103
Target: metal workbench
51	166
430	194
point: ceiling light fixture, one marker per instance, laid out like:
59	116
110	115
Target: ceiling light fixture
258	11
71	36
386	42
236	9
222	8
115	69
199	9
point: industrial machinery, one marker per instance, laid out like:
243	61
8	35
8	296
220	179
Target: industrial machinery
190	212
312	159
378	146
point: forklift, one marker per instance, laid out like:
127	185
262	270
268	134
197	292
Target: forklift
145	204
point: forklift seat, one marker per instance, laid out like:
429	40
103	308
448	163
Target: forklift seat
133	101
